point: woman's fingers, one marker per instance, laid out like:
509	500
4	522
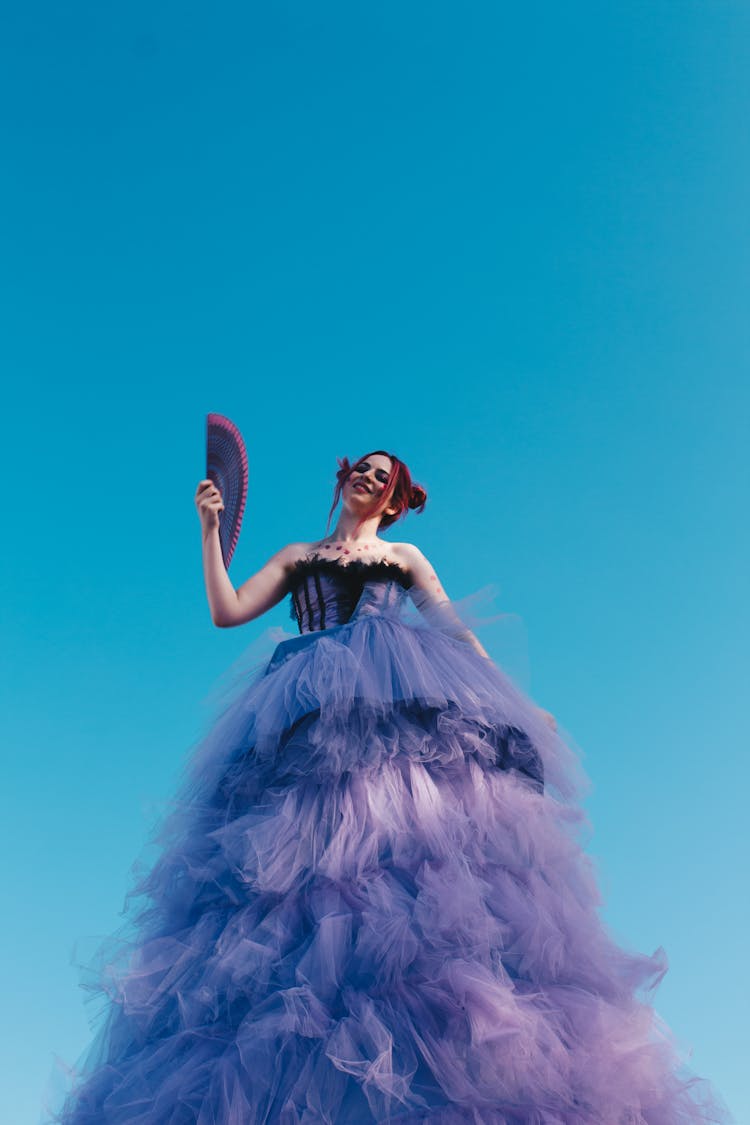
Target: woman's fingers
209	503
207	490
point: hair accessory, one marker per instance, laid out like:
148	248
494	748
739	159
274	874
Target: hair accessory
226	466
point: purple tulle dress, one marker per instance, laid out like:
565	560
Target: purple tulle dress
370	905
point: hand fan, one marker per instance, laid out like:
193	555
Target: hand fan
226	466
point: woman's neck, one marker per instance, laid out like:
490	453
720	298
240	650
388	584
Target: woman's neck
346	530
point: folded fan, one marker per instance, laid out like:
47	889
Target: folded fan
226	466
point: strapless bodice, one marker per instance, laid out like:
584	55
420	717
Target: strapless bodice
325	592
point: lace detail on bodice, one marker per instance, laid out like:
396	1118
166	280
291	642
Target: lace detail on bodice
325	592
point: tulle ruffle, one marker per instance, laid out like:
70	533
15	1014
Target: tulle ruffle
371	903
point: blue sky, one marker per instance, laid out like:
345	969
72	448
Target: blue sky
509	243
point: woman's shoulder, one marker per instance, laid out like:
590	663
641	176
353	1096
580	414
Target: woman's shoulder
293	552
406	552
414	561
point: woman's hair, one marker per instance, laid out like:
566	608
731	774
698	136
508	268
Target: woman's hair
400	491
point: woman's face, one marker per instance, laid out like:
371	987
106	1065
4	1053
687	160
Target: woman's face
366	483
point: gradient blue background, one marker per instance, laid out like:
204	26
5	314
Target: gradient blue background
509	242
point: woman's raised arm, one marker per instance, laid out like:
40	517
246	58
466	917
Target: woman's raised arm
260	592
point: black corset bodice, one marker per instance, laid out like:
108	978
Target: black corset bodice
326	592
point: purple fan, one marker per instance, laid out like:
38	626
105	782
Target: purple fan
226	466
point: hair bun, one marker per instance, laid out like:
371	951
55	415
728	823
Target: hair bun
417	497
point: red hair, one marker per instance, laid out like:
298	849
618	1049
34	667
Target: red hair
400	491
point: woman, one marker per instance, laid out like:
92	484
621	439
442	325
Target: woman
370	904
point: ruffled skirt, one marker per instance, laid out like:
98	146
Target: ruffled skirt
371	904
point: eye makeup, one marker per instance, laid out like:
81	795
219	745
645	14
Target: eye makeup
381	474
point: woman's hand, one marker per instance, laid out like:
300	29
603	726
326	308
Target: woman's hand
209	503
549	719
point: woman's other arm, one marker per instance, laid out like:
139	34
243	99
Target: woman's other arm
260	592
430	598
